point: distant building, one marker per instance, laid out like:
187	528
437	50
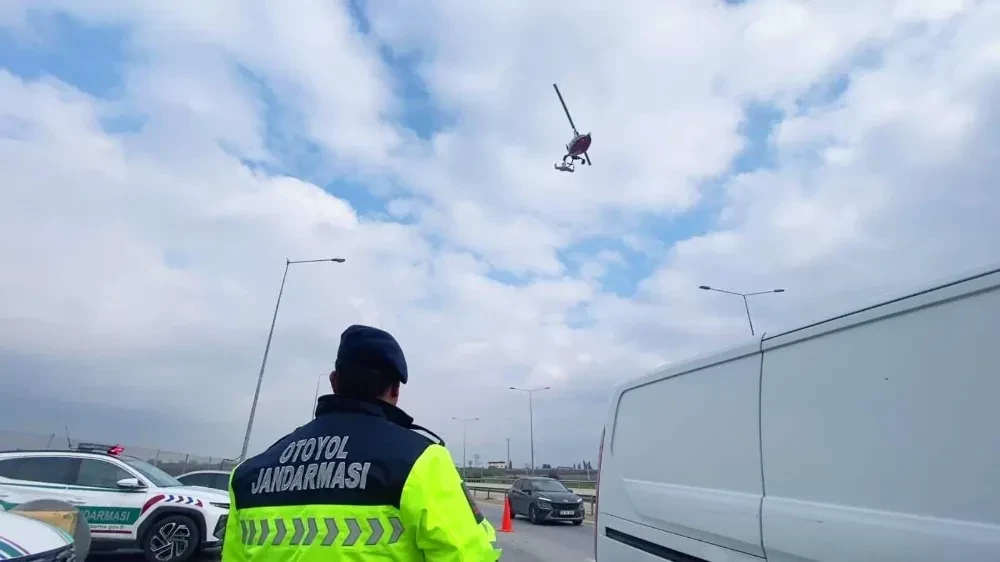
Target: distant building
496	464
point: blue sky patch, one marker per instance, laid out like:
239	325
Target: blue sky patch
508	277
759	120
123	123
92	58
418	111
295	154
95	59
823	93
176	259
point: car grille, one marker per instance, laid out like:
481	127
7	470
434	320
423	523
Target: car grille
564	506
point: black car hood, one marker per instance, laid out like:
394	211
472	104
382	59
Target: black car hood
558	497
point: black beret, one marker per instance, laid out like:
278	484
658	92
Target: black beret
366	349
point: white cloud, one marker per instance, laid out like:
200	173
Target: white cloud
140	264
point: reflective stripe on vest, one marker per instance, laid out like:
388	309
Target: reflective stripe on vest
322	531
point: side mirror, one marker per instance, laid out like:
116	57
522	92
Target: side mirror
527	491
130	484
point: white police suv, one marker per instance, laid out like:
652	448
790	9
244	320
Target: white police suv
127	502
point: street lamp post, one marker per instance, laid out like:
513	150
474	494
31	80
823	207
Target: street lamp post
319	379
531	417
744	295
465	426
267	347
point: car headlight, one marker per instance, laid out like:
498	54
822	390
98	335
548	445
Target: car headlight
220	505
544	504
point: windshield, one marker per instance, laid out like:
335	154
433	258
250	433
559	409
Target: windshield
548	486
153	474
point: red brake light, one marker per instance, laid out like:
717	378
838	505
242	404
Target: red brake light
117	450
597	489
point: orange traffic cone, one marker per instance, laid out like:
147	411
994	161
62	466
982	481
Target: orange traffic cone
505	526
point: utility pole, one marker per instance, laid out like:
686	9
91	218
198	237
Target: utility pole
319	378
267	347
465	426
531	417
509	465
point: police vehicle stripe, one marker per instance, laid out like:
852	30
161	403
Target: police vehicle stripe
305	530
10	549
186	500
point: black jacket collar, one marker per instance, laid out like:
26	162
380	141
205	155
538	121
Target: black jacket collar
331	403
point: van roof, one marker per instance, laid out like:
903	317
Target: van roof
940	283
753	345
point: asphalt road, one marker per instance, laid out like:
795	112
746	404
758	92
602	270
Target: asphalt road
560	542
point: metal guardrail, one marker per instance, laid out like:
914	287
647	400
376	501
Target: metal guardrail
508	480
588	496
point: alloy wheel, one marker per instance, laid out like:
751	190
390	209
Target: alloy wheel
170	541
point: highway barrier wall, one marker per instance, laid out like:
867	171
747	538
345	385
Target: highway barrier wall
176	463
576	484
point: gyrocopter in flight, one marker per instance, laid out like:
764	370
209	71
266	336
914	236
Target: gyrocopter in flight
579	145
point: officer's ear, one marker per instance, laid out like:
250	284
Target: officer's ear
334	382
394	390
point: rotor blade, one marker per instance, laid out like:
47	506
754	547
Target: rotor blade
587	156
571	124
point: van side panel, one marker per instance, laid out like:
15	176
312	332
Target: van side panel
880	434
658	546
684	458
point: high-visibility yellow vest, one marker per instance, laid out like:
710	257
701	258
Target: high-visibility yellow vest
356	483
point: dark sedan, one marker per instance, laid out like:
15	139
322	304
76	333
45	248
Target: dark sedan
544	499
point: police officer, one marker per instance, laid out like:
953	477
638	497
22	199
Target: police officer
357	482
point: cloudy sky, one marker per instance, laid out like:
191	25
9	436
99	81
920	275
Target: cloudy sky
161	160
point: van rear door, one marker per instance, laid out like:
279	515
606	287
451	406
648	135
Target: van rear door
880	431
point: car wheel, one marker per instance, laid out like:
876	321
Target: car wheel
580	522
533	514
174	538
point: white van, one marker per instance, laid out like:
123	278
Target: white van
872	436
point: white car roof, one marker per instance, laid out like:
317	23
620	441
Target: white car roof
59	453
